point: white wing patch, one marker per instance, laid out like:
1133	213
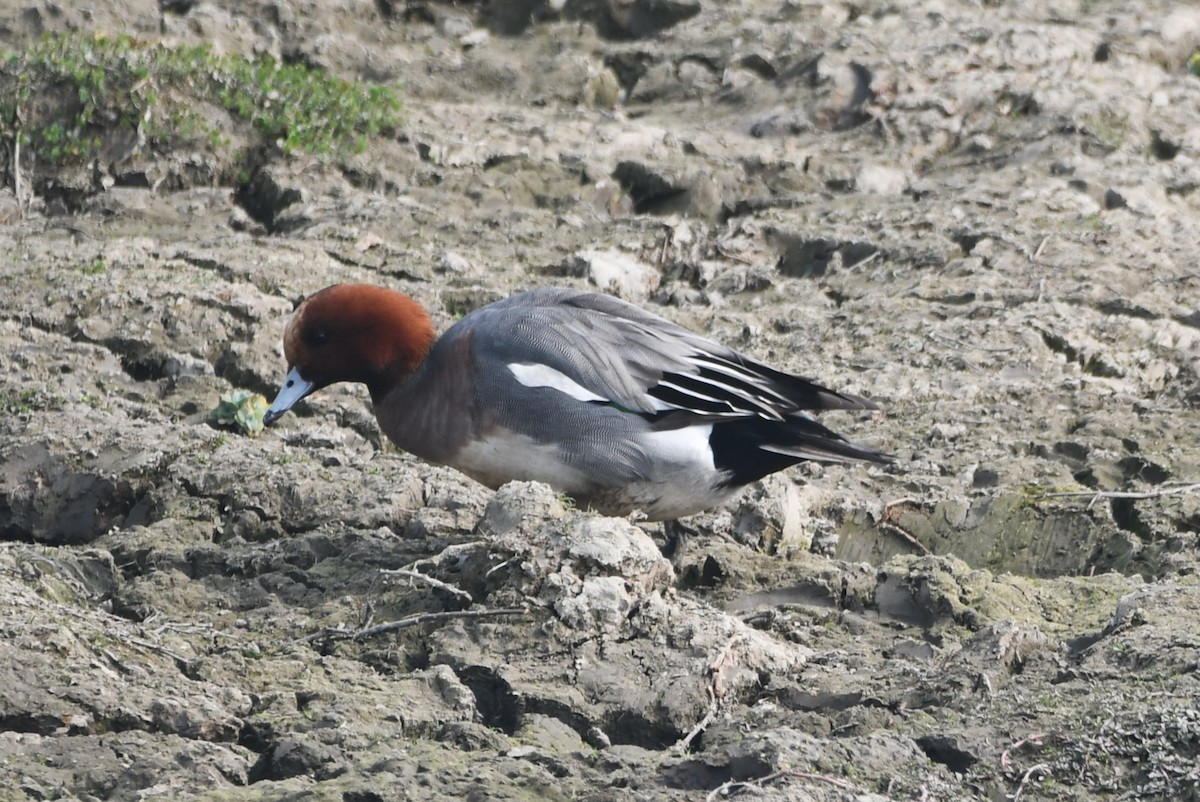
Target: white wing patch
533	374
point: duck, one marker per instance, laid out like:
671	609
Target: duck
616	407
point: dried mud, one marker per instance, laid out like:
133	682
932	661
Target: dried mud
983	216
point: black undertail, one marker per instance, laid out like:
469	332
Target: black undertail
739	447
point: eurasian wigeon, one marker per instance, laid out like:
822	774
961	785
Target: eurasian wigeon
600	399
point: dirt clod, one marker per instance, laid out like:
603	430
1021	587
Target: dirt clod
982	216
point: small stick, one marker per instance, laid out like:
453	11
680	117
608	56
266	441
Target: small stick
1100	494
1035	739
424	618
17	163
887	522
942	338
733	257
449	551
1040	767
154	647
404	623
904	500
725	788
716	690
429	580
701	725
905	535
1037	253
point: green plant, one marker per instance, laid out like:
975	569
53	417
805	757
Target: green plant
1108	126
240	409
71	98
23	402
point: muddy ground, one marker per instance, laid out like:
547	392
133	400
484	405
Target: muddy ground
985	216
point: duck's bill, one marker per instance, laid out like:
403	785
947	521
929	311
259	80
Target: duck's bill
294	388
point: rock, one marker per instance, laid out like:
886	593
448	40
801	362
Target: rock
616	273
605	579
878	179
810	257
548	734
638	19
770	516
513	17
456	264
779	122
296	757
669	81
45	500
662	191
924	225
949	750
518	506
602	90
264	197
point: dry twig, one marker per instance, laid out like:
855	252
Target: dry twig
686	741
429	580
905	535
17	164
342	633
1097	495
154	647
725	788
888	522
944	340
733	257
716	690
1037	253
1035	739
453	550
1025	778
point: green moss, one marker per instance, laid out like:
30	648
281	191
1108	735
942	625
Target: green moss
1108	127
71	98
23	402
93	267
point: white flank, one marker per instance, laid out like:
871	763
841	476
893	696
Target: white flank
506	456
686	477
686	448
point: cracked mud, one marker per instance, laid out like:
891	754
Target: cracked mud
983	216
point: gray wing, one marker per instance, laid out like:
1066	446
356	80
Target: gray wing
635	360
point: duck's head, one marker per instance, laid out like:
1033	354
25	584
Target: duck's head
352	333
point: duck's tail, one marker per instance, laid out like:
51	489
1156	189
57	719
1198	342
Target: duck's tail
751	448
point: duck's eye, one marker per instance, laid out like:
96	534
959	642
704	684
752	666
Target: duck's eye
317	336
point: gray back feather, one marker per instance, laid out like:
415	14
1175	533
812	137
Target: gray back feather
613	348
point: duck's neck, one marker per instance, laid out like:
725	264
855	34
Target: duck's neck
399	346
